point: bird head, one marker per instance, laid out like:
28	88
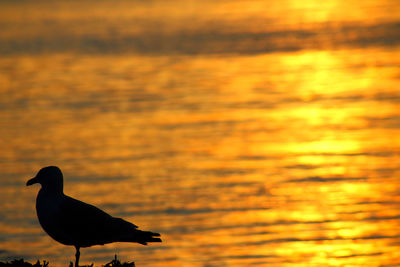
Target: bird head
49	177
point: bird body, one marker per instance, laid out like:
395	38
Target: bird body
73	222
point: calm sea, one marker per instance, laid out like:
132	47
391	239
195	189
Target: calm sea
248	133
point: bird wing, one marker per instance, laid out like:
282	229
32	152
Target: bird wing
85	225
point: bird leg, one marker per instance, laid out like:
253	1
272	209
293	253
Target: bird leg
77	254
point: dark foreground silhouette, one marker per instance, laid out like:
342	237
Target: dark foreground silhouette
73	222
21	263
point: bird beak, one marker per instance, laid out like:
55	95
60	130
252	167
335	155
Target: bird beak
32	181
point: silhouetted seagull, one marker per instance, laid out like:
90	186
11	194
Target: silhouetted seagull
73	222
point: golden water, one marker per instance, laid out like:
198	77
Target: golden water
245	132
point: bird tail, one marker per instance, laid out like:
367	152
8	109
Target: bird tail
127	232
142	237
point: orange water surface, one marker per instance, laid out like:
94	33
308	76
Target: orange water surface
248	133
